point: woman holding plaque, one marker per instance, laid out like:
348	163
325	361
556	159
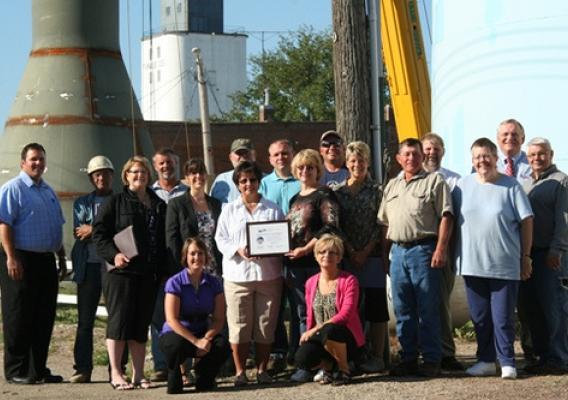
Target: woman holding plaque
252	284
130	284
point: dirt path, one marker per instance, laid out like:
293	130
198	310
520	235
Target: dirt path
454	386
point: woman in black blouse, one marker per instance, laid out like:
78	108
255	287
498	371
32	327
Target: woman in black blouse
130	284
313	212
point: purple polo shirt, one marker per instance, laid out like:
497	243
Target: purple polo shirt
195	306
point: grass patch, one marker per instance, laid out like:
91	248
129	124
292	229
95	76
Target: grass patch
100	356
466	332
66	314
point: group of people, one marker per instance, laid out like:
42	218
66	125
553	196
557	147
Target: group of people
187	273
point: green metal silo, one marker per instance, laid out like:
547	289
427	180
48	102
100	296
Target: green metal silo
75	96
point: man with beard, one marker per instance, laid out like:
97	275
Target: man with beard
434	151
167	187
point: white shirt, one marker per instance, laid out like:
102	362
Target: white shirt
231	235
450	177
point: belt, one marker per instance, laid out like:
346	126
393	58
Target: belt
418	242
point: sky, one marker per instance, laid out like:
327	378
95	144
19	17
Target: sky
239	15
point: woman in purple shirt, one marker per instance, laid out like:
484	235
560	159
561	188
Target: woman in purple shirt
195	314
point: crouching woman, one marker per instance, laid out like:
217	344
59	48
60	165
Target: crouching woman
195	314
334	335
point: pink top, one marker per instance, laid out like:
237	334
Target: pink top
346	303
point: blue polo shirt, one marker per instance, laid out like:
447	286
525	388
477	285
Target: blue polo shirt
33	211
279	190
195	306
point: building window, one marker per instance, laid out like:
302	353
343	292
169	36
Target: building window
179	8
150	78
158	50
158	75
168	11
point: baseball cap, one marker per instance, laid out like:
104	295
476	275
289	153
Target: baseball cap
241	144
329	134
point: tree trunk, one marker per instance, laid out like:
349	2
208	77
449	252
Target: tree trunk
351	70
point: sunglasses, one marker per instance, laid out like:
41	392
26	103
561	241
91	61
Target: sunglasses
329	143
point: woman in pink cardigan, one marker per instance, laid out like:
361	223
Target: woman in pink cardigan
334	335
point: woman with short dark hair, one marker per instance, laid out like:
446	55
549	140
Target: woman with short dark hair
252	285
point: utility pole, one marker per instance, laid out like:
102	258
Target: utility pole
204	112
351	70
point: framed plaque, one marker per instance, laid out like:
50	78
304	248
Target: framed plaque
268	238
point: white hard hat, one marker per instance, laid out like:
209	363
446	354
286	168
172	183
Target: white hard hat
97	163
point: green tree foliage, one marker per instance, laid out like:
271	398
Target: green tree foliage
299	75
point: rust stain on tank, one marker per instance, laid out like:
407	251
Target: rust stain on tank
40	120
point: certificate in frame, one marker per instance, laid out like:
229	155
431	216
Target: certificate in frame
268	238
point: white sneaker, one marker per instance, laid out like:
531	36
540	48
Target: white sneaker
482	368
508	372
318	377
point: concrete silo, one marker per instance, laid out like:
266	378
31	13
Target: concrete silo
75	96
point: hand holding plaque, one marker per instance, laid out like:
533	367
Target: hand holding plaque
268	238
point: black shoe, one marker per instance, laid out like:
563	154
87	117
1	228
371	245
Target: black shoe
405	368
19	380
341	378
544	369
49	378
429	369
451	364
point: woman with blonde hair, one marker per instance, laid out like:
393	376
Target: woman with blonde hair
314	211
359	198
334	335
130	284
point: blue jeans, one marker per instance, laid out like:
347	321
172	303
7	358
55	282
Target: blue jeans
88	296
298	276
158	319
549	326
492	307
416	298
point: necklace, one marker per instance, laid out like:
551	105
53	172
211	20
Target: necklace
327	286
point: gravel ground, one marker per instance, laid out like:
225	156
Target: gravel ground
452	386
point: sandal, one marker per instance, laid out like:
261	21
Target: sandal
326	377
121	386
341	378
144	384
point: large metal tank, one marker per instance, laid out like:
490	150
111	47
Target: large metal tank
493	60
75	96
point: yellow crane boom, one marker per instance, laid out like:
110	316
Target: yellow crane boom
407	72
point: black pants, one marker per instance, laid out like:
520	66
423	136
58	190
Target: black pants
28	313
177	349
312	353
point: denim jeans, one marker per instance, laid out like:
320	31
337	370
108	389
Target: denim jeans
550	290
158	319
88	296
298	276
416	298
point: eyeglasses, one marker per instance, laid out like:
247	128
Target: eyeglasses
249	180
137	171
328	252
328	144
306	167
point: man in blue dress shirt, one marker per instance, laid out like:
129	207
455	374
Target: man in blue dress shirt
31	223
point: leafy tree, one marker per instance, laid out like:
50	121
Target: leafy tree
299	75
